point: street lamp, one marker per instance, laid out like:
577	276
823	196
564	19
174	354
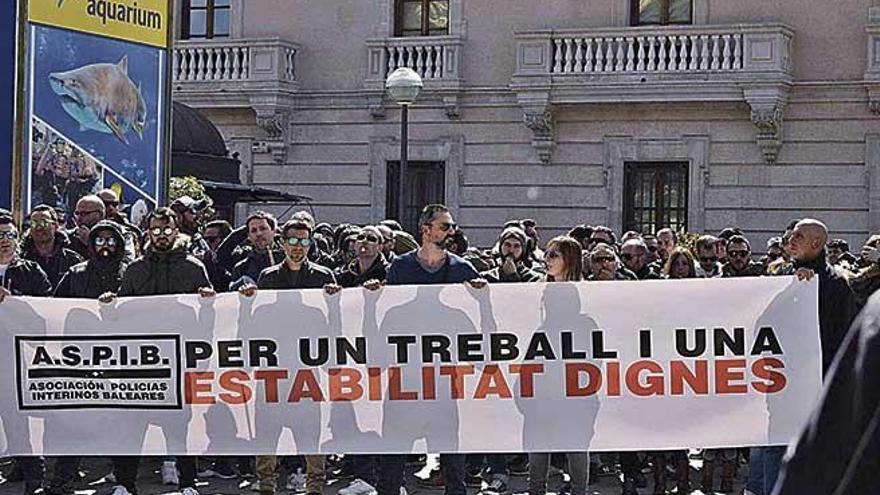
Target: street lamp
403	86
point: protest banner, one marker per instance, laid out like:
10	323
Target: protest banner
611	366
97	109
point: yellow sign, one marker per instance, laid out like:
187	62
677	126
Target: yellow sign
141	21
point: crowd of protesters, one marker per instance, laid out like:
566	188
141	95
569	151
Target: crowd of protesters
177	251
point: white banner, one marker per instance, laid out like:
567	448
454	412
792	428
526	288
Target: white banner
518	367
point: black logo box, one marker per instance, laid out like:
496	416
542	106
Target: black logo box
20	339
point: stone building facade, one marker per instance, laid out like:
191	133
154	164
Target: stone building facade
702	114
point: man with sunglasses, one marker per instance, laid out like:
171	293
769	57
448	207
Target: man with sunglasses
634	254
707	257
604	264
369	263
295	271
113	212
47	246
431	263
89	211
739	259
165	268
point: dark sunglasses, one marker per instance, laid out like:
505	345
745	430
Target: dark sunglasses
293	241
368	238
212	238
10	234
551	254
105	241
708	259
445	226
42	224
738	254
652	249
627	256
602	259
111	203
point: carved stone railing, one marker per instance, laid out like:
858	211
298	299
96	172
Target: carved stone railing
702	63
437	59
255	73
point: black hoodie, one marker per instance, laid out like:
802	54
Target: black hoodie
57	264
165	272
96	276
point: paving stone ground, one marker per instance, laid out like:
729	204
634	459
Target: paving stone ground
150	483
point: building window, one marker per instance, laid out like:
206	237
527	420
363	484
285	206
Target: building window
205	19
424	185
662	12
655	196
421	17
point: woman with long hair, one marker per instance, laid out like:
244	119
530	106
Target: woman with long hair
563	260
681	264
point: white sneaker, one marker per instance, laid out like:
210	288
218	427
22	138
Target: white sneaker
169	473
296	482
358	487
189	491
120	490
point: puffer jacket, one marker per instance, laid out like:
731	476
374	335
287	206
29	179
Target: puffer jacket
96	276
26	278
56	265
165	272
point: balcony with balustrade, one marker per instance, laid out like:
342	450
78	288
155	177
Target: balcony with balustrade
233	72
435	58
655	64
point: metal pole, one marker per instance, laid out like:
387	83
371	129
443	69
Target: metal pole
401	182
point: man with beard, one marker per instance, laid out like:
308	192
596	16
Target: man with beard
165	268
512	246
430	264
20	277
259	229
370	263
131	232
707	257
100	275
47	246
185	207
89	211
295	271
667	240
604	264
739	259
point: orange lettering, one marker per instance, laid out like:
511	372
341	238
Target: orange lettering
270	382
374	376
305	385
492	381
680	373
429	383
613	379
763	369
725	372
231	381
653	383
345	384
456	376
526	374
192	388
395	386
573	379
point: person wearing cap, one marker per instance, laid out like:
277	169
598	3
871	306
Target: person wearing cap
774	252
512	251
186	207
369	264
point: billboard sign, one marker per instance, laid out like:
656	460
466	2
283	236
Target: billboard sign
97	101
8	57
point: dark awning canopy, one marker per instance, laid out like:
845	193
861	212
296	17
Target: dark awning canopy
250	194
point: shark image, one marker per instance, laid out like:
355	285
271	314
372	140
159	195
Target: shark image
101	97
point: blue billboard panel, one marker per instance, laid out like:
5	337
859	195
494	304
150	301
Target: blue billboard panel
8	58
102	103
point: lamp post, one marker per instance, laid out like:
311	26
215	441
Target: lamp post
403	86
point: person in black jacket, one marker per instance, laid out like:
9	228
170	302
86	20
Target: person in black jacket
245	261
103	271
837	307
839	450
165	268
369	264
20	277
513	251
48	246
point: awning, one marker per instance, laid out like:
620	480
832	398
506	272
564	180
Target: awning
250	194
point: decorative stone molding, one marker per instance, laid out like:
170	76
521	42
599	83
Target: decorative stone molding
767	106
872	71
274	121
278	150
540	121
451	107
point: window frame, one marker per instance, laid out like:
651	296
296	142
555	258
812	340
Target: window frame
210	9
633	170
634	20
426	14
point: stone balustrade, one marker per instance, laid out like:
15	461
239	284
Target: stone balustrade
234	61
435	58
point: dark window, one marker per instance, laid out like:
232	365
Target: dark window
655	196
421	17
205	19
652	12
425	184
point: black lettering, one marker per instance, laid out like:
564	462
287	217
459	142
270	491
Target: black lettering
150	355
502	346
766	341
567	348
229	354
197	350
305	352
736	344
599	351
539	345
262	350
41	356
402	342
70	355
470	347
436	344
357	352
681	341
100	353
645	343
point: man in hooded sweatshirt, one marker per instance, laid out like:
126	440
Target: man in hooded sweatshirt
513	250
100	274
